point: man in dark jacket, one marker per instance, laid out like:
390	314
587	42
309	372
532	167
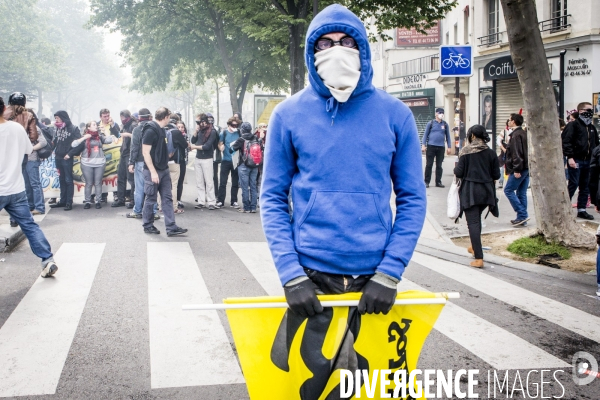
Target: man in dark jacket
136	166
157	178
517	168
217	157
180	144
123	175
66	132
579	138
203	141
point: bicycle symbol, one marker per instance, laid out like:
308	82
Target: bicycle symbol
457	60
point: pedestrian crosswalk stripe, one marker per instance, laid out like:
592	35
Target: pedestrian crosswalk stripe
499	348
496	346
556	312
36	338
257	258
186	348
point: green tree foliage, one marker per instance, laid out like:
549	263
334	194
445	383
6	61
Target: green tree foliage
27	39
284	24
163	38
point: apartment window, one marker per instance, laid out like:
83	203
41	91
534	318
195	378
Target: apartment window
456	33
559	13
493	18
466	25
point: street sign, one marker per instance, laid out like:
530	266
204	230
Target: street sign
456	61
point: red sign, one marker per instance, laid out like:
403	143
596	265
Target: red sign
411	37
416	102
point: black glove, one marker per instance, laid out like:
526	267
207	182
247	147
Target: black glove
379	294
302	298
598	239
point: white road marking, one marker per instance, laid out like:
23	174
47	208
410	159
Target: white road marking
187	348
501	349
556	312
256	256
36	338
496	346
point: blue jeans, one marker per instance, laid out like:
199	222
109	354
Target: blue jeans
17	207
248	184
33	187
598	269
518	200
138	194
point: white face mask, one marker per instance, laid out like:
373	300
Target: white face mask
441	116
339	67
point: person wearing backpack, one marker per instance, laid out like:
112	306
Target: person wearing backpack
250	159
176	146
203	141
436	133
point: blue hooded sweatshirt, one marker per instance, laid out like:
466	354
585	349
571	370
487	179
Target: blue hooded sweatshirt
341	160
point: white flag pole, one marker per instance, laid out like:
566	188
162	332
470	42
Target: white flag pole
332	303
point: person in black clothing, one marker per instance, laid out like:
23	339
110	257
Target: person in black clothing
579	138
218	157
65	133
478	168
517	169
203	141
182	163
157	178
123	175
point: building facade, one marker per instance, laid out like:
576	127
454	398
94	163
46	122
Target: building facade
408	66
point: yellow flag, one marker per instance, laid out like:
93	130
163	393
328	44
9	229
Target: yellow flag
284	356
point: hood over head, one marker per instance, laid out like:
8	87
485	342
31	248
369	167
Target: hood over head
64	117
337	18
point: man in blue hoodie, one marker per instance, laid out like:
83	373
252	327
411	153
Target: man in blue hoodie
342	236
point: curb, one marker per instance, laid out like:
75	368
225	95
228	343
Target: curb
10	237
438	228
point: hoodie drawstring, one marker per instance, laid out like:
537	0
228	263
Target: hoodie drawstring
332	104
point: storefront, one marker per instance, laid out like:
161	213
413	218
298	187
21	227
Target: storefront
500	92
421	103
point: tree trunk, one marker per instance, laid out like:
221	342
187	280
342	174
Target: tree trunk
297	68
551	201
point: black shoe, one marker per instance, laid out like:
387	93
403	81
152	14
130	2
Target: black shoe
52	201
98	206
118	203
152	229
180	205
517	222
177	231
87	206
13	224
58	205
439	185
427	185
68	207
129	205
585	215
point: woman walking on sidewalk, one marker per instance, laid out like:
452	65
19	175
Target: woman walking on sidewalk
93	160
478	168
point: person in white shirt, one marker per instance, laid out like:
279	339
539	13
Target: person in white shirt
14	145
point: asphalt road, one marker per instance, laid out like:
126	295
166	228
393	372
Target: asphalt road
104	336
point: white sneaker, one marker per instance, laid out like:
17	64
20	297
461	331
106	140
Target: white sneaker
219	204
49	270
235	205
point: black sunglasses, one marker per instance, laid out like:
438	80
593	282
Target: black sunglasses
234	125
326	43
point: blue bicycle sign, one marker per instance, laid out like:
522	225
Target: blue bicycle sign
456	61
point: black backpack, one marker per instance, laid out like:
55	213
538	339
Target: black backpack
46	151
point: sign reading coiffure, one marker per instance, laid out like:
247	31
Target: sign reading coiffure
411	37
500	68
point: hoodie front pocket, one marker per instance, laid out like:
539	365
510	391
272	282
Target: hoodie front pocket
343	222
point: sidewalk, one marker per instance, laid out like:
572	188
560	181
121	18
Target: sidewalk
437	202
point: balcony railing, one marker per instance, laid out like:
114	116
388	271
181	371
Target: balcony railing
556	24
491	39
417	66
